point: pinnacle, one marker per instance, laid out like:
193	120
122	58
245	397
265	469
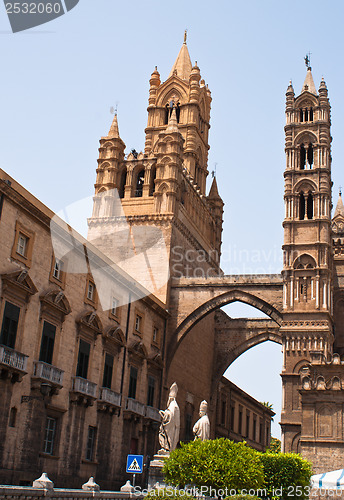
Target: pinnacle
308	84
182	64
340	207
214	193
114	132
172	122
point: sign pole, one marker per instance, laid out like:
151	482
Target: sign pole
134	480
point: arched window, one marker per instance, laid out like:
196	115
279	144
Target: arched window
178	111
310	155
301	115
122	184
306	115
302	157
139	183
310	206
152	182
311	114
302	208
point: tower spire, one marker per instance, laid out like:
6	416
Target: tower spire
114	131
182	64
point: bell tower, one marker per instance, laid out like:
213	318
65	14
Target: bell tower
307	268
163	189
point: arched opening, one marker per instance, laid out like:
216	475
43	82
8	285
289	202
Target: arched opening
301	115
139	184
310	155
152	181
302	206
306	115
302	157
311	114
310	206
122	183
178	112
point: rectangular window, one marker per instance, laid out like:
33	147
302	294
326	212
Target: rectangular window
151	390
49	436
240	422
254	429
223	413
132	382
47	343
108	368
57	271
91	440
9	325
138	323
247	425
83	359
90	291
261	433
232	417
155	335
114	306
22	245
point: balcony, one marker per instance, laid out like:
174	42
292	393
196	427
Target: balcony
85	390
134	406
13	362
47	373
153	414
111	397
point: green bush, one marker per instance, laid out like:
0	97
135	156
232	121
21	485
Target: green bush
216	463
287	475
275	446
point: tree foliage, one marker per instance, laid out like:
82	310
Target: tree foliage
217	463
275	446
286	475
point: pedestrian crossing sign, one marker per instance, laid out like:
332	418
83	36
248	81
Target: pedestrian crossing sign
135	464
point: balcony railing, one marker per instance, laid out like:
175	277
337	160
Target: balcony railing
12	358
135	407
48	372
84	386
153	413
108	396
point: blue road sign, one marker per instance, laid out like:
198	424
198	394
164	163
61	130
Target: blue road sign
135	464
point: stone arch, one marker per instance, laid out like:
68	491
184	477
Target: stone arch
304	261
305	137
215	303
305	186
295	443
172	88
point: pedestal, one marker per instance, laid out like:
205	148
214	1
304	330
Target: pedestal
155	471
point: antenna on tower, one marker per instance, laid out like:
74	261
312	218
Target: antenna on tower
308	60
113	110
213	173
185	35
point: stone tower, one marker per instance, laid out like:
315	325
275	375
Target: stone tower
153	204
307	269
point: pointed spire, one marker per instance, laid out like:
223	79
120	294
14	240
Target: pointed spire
290	89
182	64
340	207
172	122
114	132
214	193
308	84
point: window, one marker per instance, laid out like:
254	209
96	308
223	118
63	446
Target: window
223	413
151	390
247	424
83	359
139	184
132	382
302	157
22	245
254	437
91	440
302	206
155	338
9	325
114	306
310	206
122	184
108	368
232	417
57	271
134	445
261	433
240	421
138	321
90	291
49	436
47	343
13	417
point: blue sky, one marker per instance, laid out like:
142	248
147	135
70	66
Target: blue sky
60	80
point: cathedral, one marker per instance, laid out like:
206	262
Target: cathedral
94	331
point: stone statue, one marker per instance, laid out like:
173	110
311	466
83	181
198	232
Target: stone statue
201	429
170	425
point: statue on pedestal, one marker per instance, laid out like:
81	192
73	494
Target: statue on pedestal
170	425
201	429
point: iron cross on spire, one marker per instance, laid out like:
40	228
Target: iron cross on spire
308	60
